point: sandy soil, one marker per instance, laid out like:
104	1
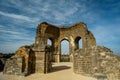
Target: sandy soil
60	71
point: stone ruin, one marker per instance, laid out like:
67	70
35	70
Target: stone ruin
90	60
97	61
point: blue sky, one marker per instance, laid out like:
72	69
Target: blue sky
19	19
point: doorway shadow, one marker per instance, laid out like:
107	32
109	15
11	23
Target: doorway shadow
59	68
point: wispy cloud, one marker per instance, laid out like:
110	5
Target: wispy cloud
104	34
16	16
107	35
12	38
19	19
15	34
9	47
58	12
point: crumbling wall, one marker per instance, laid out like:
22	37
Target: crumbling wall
97	61
89	60
57	34
27	61
23	52
13	66
18	64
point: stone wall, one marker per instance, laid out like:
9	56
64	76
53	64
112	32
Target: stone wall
97	61
18	63
13	66
89	60
43	58
57	34
27	61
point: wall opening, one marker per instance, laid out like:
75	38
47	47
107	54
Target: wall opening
78	43
49	42
65	50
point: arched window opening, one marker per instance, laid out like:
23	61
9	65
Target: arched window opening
65	51
78	42
64	47
49	42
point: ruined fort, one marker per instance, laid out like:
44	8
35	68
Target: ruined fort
92	60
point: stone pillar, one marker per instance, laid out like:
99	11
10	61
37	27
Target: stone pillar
57	52
26	67
57	56
19	61
40	61
72	49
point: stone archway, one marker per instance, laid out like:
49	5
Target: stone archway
44	54
56	34
64	50
89	59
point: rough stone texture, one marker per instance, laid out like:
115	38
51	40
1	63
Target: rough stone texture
56	34
1	64
27	61
3	58
97	61
18	64
13	66
43	60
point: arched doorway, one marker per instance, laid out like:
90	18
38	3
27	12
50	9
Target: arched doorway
64	51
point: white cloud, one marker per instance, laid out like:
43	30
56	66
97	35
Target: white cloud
60	12
8	47
12	39
11	34
16	16
106	35
50	10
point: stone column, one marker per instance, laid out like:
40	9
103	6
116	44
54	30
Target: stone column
72	48
39	63
57	52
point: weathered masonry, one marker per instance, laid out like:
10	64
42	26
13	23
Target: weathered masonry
73	34
89	59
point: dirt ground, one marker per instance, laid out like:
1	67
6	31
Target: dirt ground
60	71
